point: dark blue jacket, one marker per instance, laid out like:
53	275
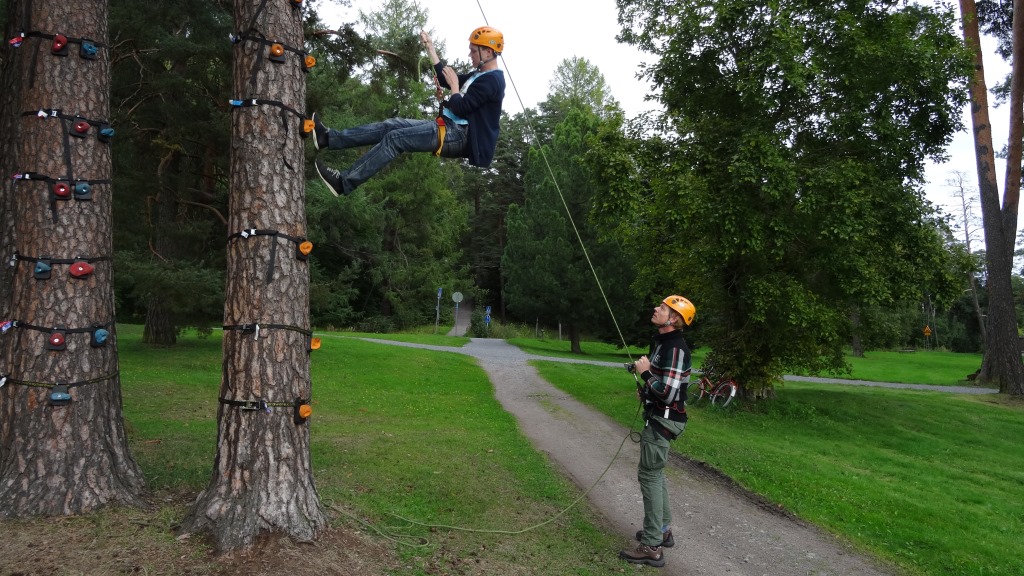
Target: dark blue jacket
481	106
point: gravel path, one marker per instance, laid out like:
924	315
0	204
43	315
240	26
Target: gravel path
720	529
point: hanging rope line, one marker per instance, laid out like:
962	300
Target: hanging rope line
575	229
404	539
556	516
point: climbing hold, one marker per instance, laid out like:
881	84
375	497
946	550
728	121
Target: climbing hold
42	269
79	129
305	248
81	269
83	190
99	337
301	411
56	341
88	50
314	343
105	133
59	395
308	126
61	190
308	62
60	45
277	53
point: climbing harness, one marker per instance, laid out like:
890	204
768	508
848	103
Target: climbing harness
444	114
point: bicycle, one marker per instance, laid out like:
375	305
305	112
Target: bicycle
720	393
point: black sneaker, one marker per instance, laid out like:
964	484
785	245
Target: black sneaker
667	541
644	554
331	177
319	134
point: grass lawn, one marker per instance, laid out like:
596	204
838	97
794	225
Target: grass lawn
920	367
405	432
932	481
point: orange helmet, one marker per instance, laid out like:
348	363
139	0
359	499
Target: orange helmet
682	306
488	38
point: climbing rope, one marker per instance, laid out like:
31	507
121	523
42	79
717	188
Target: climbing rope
539	524
402	539
575	229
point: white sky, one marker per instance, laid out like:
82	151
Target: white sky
541	34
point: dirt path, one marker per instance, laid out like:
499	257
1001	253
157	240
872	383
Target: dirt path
719	528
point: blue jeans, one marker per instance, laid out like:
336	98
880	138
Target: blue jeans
389	139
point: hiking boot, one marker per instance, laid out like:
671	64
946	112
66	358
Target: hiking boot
667	541
644	554
331	177
319	134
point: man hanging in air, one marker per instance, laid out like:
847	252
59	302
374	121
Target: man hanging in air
467	127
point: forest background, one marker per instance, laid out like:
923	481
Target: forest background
500	236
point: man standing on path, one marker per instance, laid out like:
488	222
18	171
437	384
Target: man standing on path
665	373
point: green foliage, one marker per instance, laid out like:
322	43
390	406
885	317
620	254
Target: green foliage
788	176
478	328
170	78
193	290
548	273
490	192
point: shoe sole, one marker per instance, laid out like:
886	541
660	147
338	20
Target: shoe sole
326	183
654	563
316	140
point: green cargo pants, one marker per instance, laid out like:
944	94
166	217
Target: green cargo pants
651	474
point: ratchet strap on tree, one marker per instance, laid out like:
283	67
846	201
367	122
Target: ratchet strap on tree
62	189
301	409
80	125
255	329
60	392
302	246
81	266
56	339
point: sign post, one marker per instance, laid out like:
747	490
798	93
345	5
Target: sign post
487	319
437	311
457	297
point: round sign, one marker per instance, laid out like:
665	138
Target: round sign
457	297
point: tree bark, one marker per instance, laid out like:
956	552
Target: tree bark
71	458
1002	361
855	342
574	339
10	79
159	329
262	477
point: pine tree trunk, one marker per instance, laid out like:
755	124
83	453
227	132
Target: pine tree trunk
1002	361
574	339
10	79
856	344
159	329
263	478
71	458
